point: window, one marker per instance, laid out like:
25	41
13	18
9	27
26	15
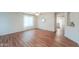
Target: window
28	21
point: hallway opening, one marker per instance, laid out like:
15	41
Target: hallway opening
60	23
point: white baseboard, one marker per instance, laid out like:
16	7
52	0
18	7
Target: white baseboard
10	33
72	39
15	31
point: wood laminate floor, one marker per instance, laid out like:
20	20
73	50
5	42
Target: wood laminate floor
36	38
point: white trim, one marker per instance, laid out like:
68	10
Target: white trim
17	31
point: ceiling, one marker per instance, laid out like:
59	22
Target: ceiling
33	13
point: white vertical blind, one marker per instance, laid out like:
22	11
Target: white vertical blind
28	21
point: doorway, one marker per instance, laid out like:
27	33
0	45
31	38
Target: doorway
60	23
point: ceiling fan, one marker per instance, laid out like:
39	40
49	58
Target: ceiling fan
36	13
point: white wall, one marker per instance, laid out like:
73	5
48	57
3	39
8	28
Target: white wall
36	21
49	23
11	22
73	32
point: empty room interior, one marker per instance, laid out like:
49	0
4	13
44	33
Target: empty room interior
39	29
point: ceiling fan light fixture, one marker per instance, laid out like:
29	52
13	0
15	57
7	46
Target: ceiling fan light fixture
37	13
